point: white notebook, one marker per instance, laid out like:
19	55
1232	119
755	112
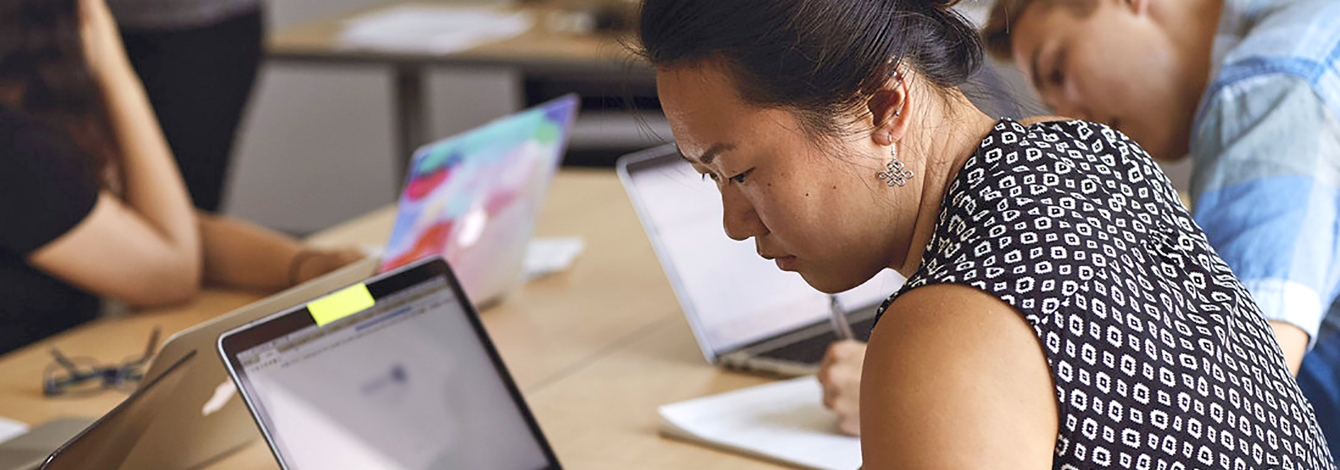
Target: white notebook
783	422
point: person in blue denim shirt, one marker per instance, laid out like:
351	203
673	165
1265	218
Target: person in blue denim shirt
1250	91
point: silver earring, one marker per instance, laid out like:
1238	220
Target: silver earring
895	175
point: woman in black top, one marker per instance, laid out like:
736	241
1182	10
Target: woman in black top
91	203
1061	309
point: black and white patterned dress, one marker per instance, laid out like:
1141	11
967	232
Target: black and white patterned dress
1161	360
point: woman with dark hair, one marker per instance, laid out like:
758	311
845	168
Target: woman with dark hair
91	203
1061	309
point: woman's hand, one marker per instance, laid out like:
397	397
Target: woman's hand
103	49
312	263
840	375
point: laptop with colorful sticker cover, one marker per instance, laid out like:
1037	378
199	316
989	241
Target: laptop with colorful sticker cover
473	198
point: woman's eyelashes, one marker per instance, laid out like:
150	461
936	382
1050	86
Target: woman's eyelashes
1057	77
739	178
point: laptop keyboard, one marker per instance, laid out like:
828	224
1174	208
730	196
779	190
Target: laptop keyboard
811	350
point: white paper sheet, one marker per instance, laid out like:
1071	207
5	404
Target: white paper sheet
545	256
10	429
432	29
783	421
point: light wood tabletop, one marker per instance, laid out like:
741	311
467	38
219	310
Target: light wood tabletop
595	349
539	49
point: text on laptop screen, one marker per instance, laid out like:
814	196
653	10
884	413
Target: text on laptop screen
736	296
406	384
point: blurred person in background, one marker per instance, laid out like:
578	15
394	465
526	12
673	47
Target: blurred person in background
91	202
198	61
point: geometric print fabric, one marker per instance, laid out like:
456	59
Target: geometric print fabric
1161	360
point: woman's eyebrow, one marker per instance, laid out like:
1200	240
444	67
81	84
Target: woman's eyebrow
710	154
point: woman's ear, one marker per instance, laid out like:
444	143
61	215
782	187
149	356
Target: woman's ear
888	110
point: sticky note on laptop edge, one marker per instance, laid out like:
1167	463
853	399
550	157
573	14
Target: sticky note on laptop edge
342	303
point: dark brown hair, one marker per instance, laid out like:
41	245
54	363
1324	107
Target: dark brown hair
821	59
42	53
997	32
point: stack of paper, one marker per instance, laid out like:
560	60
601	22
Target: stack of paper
783	422
439	29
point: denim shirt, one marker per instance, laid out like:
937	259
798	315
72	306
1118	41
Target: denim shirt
1266	145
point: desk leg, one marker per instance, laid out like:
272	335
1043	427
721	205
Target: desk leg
411	120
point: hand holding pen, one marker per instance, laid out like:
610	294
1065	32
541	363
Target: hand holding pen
840	372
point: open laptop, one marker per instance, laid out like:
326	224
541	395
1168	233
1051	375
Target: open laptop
745	313
473	198
102	445
396	372
205	421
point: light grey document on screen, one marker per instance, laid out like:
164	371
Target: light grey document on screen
411	388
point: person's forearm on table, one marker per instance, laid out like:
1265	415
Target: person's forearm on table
240	254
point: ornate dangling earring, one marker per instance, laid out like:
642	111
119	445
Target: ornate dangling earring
895	175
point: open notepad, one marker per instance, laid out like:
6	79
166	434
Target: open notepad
783	422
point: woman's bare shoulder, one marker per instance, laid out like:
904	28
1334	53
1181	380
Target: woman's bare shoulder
955	378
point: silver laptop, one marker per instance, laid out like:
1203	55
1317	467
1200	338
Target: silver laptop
396	372
745	313
204	419
67	444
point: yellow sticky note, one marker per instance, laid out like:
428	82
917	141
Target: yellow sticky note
345	302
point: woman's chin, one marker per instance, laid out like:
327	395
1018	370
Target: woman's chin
828	284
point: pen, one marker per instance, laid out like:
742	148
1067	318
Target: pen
839	319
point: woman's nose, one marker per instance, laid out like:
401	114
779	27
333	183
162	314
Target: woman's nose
738	215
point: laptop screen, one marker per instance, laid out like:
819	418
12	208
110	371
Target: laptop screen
405	384
734	296
473	199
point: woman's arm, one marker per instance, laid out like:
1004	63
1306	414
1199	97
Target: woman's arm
144	248
239	254
1293	342
955	378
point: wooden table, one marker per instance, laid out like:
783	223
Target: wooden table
537	51
594	349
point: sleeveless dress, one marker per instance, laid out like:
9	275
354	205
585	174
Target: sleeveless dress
1160	358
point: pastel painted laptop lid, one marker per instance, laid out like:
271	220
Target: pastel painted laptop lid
473	198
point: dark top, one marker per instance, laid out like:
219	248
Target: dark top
45	190
1160	358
